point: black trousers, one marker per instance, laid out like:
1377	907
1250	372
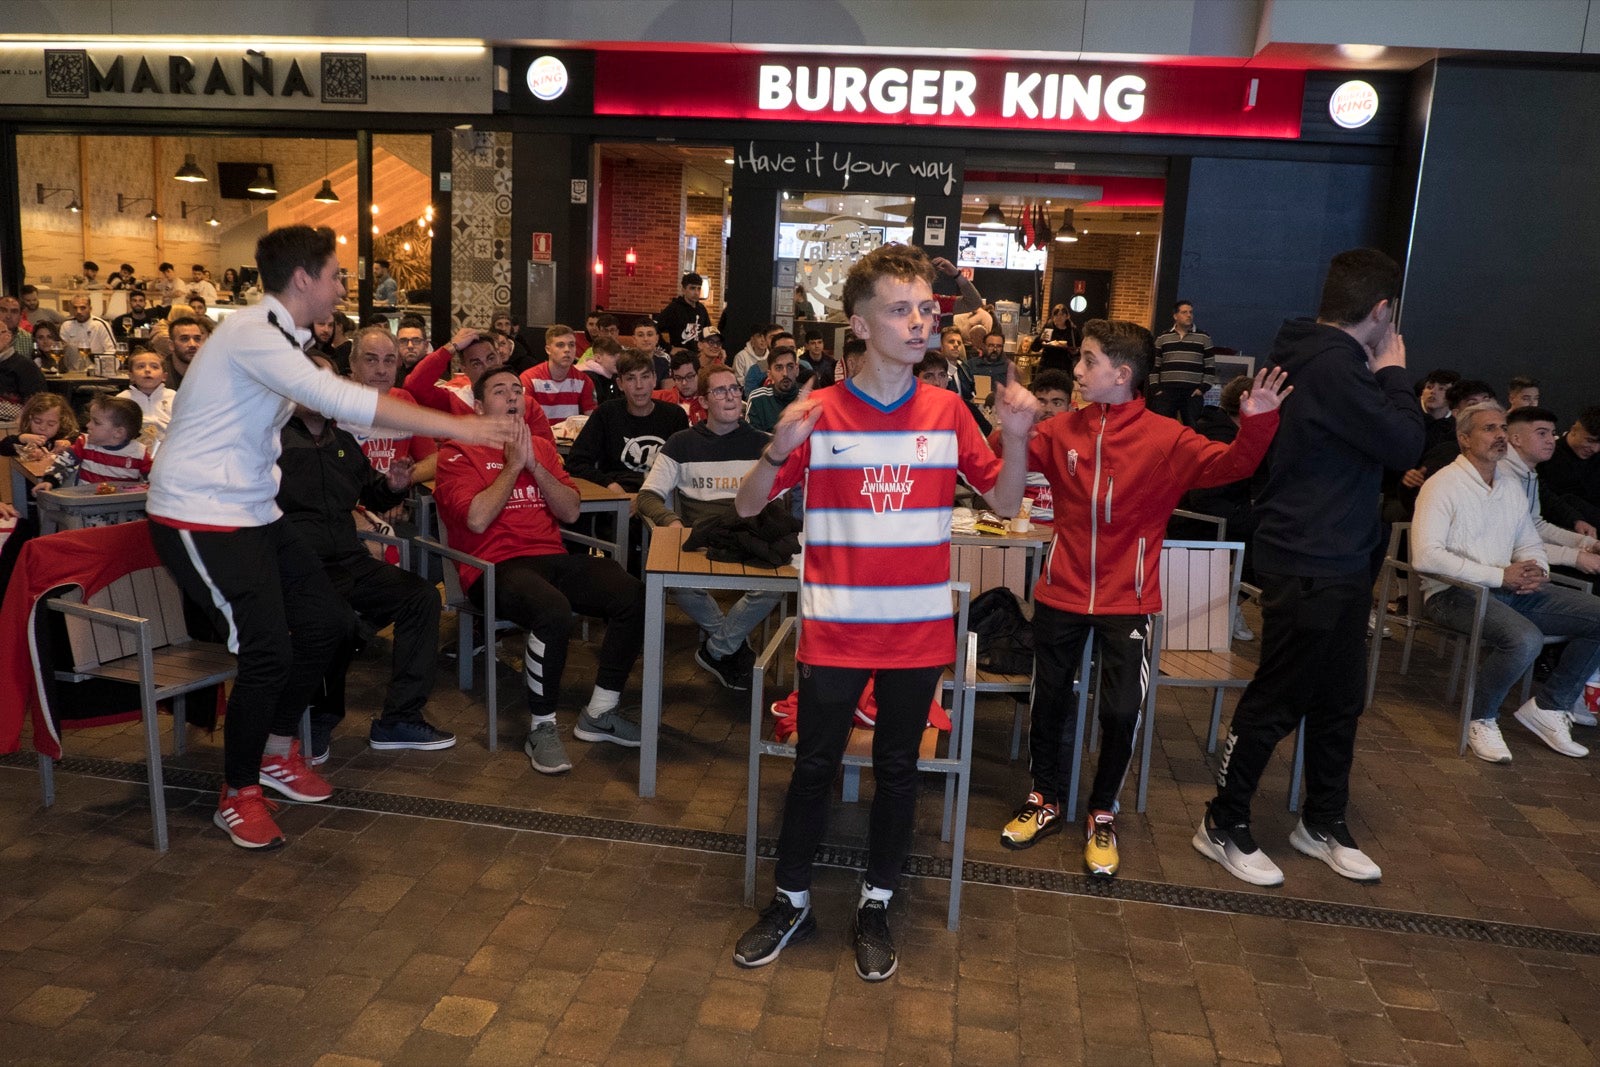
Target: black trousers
1123	642
382	594
265	592
826	711
540	593
1313	664
1177	402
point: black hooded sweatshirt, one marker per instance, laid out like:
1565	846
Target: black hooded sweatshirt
1342	425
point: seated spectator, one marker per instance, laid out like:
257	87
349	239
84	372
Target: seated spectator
991	360
121	278
109	451
601	369
33	313
560	390
166	289
954	348
428	386
694	479
139	317
754	352
20	378
375	362
88	334
147	388
47	345
1522	392
521	358
685	388
411	341
855	356
1572	473
934	370
711	350
503	505
1531	436
619	442
11	318
647	339
186	334
324	476
767	402
825	369
47	428
1053	388
1473	523
199	285
604	323
1461	395
91	275
330	337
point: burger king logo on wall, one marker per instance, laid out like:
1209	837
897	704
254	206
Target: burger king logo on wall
1353	105
547	78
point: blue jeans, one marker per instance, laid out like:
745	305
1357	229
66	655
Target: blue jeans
1514	628
726	632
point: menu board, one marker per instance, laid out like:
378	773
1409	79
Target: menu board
983	248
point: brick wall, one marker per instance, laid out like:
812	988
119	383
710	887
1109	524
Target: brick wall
703	220
1131	260
647	215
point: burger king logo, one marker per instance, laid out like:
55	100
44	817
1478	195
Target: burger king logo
1353	105
547	78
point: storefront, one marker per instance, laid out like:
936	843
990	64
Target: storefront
151	151
1229	184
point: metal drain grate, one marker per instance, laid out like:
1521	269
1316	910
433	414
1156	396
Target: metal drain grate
1508	935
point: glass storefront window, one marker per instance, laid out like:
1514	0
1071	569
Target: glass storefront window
820	236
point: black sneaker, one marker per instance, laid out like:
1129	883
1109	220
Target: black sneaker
727	670
414	735
875	957
321	740
780	923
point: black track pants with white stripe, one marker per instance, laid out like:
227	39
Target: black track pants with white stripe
269	600
1122	645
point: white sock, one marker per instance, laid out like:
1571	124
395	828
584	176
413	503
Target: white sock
540	720
278	745
602	701
872	892
799	898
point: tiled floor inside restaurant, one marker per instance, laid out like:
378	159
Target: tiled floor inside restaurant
457	907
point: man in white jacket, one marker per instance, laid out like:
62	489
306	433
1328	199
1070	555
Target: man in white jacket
1473	523
215	521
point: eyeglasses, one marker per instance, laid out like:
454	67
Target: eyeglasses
725	392
689	377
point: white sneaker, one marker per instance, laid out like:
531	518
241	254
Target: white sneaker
1553	728
1580	713
1372	624
1235	849
1334	846
1483	738
1241	629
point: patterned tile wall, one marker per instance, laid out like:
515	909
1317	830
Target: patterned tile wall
480	218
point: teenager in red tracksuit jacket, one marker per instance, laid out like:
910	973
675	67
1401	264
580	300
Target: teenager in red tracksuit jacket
1116	471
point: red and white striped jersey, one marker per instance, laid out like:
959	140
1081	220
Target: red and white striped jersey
879	483
573	395
128	464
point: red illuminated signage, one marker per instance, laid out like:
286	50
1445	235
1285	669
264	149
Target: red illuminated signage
991	94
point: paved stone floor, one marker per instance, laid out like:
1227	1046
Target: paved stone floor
522	919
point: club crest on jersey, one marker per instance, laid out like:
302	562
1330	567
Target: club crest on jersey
887	486
922	448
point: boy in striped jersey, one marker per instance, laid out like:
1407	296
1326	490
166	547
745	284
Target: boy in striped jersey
109	451
558	389
879	456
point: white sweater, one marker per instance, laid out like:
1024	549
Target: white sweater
219	463
156	406
1471	531
1562	546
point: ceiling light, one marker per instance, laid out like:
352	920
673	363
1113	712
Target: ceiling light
212	219
374	209
728	162
326	195
1067	234
190	171
343	239
73	205
375	227
262	183
993	218
1362	53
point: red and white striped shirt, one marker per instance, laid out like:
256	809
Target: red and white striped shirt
880	481
573	395
128	464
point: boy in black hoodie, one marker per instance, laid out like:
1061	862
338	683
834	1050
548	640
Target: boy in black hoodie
1352	414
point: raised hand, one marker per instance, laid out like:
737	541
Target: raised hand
520	448
1265	393
487	429
1015	408
795	424
1391	351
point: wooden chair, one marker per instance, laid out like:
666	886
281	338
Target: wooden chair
1398	570
133	631
1191	641
956	764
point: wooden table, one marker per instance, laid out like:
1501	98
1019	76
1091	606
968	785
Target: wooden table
599	500
671	566
66	508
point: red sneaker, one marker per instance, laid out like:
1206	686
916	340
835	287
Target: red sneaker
292	776
247	818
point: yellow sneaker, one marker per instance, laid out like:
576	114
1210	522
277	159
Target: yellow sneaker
1100	852
1035	819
